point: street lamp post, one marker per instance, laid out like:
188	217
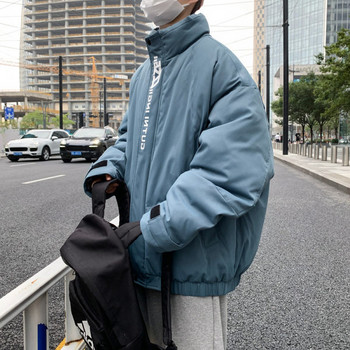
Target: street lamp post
105	103
60	76
268	83
100	116
285	77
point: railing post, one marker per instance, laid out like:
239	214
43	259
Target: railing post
346	156
72	332
35	337
316	152
31	299
309	151
324	153
304	150
334	154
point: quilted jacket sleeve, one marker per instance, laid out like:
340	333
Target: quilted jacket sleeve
112	161
230	170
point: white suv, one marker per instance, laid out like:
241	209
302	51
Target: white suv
38	143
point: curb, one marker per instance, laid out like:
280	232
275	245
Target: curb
323	178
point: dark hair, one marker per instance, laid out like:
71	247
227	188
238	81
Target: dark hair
196	6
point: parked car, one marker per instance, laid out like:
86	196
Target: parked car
88	143
37	143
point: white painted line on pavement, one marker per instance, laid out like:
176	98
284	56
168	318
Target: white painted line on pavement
43	179
23	164
115	221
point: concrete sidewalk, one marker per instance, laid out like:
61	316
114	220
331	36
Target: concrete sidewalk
335	174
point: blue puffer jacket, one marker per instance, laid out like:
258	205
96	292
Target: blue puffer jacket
194	146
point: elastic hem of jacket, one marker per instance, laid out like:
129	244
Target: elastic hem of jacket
155	234
199	289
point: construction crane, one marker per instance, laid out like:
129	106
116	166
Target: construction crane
93	75
54	69
94	88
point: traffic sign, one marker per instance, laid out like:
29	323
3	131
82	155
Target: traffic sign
9	113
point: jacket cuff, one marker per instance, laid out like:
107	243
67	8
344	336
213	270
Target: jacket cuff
96	170
155	233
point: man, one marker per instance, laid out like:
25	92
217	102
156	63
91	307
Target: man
195	153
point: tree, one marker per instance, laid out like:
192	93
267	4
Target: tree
277	106
32	120
55	121
301	103
8	124
318	105
335	65
35	120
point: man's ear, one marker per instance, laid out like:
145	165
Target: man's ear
197	6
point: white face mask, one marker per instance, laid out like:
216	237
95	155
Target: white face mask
161	12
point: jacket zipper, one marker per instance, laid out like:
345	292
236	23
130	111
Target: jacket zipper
154	136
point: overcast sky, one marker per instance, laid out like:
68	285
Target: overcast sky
231	22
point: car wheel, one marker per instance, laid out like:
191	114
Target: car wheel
67	160
13	159
45	154
88	159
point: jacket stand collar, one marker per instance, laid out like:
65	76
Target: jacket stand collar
169	42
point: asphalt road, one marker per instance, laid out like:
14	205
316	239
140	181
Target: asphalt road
296	295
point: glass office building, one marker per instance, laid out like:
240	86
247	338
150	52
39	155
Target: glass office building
313	24
306	31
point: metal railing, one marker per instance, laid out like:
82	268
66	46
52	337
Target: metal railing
317	151
31	298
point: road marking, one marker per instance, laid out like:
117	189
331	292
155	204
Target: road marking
115	221
43	179
23	164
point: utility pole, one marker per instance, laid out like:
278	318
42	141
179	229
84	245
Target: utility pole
100	116
60	90
105	102
268	83
285	77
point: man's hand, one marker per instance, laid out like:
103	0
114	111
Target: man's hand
111	188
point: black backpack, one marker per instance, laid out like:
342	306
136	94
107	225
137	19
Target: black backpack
102	295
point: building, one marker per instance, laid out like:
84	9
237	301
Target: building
96	39
313	24
24	101
259	55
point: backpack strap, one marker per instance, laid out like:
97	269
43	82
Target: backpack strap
128	232
99	196
165	294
